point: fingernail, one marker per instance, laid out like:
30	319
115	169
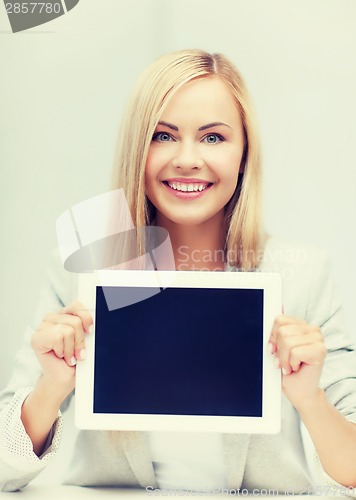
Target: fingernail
270	347
83	354
73	361
91	328
285	372
276	362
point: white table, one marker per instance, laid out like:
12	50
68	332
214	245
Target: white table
58	492
46	486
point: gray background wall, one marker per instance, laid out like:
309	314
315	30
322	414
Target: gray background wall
64	84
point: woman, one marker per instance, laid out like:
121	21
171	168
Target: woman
189	161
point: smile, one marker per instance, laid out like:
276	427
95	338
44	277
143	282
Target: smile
185	187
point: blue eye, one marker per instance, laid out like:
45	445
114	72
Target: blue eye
162	137
213	138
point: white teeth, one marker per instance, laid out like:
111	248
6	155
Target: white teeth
182	186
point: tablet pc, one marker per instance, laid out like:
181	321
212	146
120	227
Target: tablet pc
179	351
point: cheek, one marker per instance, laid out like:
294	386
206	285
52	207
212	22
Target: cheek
227	167
157	159
151	171
149	165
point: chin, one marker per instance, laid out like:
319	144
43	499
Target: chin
188	220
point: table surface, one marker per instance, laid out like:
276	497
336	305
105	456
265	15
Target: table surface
58	492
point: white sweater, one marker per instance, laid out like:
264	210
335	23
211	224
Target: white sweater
249	461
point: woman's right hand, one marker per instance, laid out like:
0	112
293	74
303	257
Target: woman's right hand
59	343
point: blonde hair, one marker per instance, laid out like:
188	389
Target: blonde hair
157	84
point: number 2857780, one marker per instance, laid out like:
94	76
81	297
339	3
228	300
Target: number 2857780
33	8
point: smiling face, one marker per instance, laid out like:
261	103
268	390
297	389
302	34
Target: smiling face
195	155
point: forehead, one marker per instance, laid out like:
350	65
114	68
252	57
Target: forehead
208	99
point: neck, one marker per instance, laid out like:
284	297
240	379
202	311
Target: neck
197	247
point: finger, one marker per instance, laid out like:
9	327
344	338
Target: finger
286	345
312	354
281	326
78	309
281	321
48	338
75	322
59	338
68	333
57	344
75	341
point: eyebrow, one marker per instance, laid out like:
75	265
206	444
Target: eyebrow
169	125
213	124
203	127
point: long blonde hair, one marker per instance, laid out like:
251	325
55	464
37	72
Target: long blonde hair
157	84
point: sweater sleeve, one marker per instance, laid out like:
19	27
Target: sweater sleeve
339	372
18	463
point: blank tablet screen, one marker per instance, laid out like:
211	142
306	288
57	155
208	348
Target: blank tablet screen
183	351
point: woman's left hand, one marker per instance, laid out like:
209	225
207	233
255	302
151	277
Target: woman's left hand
299	350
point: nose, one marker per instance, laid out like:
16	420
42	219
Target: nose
188	157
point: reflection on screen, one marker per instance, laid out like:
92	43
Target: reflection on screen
184	351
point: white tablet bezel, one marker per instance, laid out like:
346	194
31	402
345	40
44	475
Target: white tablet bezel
270	420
